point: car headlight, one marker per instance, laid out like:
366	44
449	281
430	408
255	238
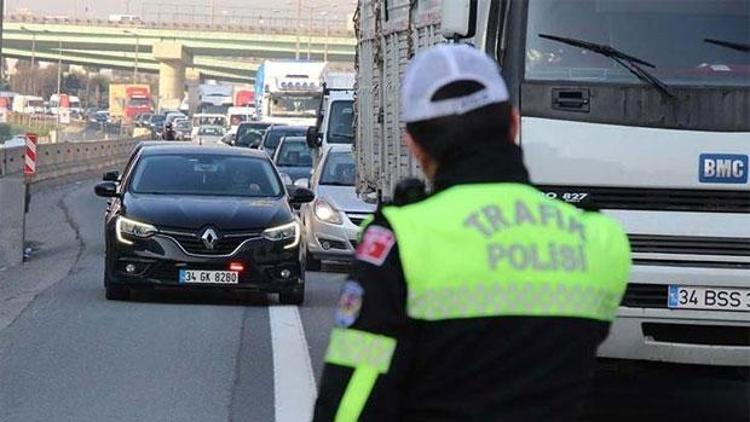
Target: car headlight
126	226
326	212
290	231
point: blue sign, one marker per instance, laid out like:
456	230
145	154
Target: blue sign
723	168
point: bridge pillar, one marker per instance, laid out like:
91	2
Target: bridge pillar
173	59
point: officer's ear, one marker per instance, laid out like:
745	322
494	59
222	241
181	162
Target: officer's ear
429	165
515	126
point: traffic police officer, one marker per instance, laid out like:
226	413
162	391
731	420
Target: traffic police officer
485	300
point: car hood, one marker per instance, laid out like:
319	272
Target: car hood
344	198
296	172
194	212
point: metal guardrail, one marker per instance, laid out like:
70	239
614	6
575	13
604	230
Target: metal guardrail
245	24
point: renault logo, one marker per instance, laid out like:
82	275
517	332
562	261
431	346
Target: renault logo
209	238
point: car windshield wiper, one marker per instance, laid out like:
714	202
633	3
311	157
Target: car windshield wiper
745	48
632	64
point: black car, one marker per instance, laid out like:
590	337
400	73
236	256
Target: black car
275	134
192	217
250	134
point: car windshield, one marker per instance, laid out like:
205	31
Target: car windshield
294	154
184	125
275	135
339	169
341	123
211	131
202	174
673	36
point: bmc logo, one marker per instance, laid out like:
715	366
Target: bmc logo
723	168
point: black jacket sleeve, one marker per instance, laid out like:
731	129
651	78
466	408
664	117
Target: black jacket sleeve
370	351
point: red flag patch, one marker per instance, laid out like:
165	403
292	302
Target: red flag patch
376	244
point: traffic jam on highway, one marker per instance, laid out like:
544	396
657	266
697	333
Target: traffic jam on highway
500	208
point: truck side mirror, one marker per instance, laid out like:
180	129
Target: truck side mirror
313	137
459	19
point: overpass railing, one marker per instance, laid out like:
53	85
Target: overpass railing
182	20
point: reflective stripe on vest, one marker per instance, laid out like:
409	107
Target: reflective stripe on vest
370	355
508	250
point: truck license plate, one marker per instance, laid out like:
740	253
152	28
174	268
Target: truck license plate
715	298
209	277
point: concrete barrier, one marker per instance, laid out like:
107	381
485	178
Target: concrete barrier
64	161
12	192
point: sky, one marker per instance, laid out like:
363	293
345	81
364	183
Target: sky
103	8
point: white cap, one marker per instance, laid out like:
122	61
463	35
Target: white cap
442	65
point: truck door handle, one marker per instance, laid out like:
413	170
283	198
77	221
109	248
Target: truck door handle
571	99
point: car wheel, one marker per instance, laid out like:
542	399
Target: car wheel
294	297
312	264
117	292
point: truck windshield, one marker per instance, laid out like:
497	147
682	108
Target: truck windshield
340	124
672	35
294	105
138	102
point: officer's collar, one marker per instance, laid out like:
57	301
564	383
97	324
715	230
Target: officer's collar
483	164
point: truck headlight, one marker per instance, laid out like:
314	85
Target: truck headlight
326	212
127	227
290	231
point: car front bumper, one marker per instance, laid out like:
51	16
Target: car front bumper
334	242
159	259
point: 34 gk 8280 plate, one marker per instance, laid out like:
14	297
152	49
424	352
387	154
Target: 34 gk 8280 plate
714	298
209	277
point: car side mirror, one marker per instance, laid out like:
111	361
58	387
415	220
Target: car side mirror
300	195
111	176
313	137
106	190
302	183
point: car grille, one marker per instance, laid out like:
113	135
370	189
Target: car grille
357	219
225	245
645	296
694	200
690	245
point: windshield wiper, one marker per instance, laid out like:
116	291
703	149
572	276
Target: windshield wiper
343	135
745	48
632	64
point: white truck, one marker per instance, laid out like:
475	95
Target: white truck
335	121
289	92
28	104
638	108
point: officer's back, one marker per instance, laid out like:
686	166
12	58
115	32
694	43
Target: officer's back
487	299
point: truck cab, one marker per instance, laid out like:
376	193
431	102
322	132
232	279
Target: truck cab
636	108
335	121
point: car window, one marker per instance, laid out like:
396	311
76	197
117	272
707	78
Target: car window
249	138
339	169
200	174
210	131
294	154
275	135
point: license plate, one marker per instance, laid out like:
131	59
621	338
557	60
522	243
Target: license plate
209	277
716	298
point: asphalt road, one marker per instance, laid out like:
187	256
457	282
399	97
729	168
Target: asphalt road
73	356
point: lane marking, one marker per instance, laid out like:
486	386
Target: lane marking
293	380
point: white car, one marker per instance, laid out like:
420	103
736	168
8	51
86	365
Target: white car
332	221
16	141
209	135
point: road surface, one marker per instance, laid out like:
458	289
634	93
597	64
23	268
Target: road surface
67	354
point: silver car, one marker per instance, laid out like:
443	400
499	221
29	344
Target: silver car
209	135
332	220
